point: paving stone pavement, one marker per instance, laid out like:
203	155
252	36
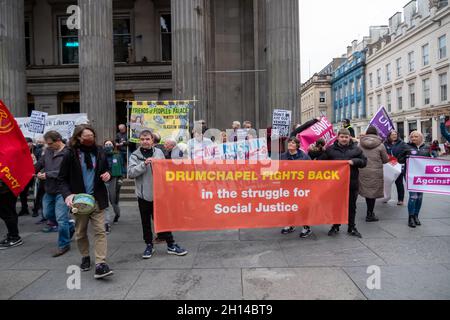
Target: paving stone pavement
247	264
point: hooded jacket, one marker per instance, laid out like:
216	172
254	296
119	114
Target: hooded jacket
371	178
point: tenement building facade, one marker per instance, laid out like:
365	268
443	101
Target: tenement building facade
408	69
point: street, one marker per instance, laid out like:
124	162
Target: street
247	264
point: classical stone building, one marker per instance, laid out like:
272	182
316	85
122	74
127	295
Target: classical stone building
408	68
238	58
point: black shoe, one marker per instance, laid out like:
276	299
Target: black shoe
102	270
417	221
35	214
85	264
9	243
306	232
333	231
116	219
24	212
288	230
411	222
371	217
107	228
354	233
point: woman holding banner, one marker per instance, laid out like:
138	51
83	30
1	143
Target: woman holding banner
295	154
394	147
371	178
418	148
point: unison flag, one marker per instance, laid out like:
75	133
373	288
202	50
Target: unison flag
383	123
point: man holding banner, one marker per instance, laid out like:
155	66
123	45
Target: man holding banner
345	149
16	171
140	169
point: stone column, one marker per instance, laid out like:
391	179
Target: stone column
97	88
189	53
13	90
283	56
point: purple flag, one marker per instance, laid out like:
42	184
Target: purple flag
383	123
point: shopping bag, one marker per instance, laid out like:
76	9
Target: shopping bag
392	171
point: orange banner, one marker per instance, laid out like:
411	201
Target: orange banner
202	197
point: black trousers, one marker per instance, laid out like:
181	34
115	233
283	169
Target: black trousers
353	197
24	195
146	210
370	205
39	196
8	213
400	187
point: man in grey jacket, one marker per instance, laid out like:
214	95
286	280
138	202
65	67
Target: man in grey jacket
140	169
54	207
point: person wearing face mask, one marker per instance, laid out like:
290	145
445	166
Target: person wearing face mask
84	170
115	164
416	148
140	169
54	207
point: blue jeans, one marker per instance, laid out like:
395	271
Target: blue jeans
415	203
55	209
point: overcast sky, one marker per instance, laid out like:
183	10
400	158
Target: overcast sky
328	26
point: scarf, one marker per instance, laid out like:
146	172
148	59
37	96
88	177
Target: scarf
147	153
88	151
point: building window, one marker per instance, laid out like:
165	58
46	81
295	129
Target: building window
322	97
166	37
412	126
379	101
371	80
442	43
360	110
389	101
399	67
28	48
359	85
400	98
122	38
426	91
412	95
379	77
443	87
427	130
68	42
388	72
371	106
411	62
426	55
352	88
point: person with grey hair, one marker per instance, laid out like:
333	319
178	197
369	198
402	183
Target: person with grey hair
171	150
235	127
416	148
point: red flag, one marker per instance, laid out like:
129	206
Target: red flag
16	164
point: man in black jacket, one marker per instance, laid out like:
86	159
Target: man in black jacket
85	170
345	149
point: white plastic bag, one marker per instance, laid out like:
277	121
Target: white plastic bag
392	171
